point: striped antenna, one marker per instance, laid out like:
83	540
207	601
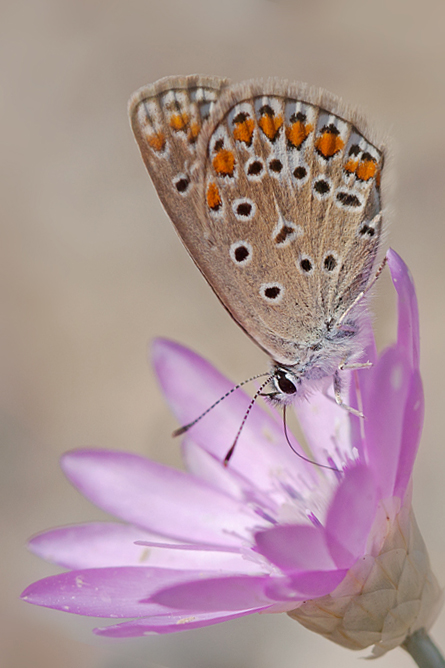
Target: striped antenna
186	427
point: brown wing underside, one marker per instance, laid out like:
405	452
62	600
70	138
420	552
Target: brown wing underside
277	203
167	119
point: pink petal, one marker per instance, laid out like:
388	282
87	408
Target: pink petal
192	385
170	623
411	432
384	393
102	592
212	594
350	516
207	467
103	544
360	377
122	592
201	463
97	544
155	497
305	585
295	547
327	426
408	336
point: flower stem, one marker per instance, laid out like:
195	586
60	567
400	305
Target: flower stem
423	650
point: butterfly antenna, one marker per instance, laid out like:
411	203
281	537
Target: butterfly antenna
310	461
246	415
186	427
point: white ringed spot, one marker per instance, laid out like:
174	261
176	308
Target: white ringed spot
285	232
181	183
305	264
348	200
241	253
321	188
272	293
300	174
330	262
244	209
254	168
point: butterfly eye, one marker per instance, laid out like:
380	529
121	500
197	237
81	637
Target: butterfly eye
283	383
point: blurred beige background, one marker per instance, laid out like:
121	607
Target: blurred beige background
92	269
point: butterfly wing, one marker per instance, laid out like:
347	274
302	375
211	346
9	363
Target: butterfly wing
281	210
167	118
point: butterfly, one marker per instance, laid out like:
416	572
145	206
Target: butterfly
275	191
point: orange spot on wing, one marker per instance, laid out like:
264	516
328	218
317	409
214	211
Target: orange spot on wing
270	125
328	144
351	166
243	130
366	170
378	178
298	132
193	132
224	163
156	141
213	197
179	121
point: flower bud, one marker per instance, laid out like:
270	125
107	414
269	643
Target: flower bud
384	598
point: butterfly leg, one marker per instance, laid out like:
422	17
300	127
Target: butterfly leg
356	365
338	397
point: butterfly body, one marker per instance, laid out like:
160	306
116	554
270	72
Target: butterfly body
274	190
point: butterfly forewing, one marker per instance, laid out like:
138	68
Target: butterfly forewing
167	119
274	190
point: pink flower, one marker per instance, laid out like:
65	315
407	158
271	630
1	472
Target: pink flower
271	532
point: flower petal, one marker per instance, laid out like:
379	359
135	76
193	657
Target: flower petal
231	481
158	498
306	585
384	391
295	547
102	592
103	544
326	427
236	592
129	591
408	336
261	440
411	432
351	515
207	467
92	545
170	623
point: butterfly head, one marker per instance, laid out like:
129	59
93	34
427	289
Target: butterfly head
315	367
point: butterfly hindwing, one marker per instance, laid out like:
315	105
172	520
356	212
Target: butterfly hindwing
292	194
